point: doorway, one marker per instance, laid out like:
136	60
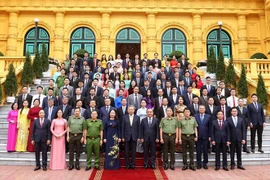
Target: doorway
131	48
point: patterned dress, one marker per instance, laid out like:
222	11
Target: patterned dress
23	131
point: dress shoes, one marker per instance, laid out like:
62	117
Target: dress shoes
37	168
199	166
217	168
165	167
241	167
205	167
192	168
133	167
225	168
153	167
145	166
246	150
127	167
70	167
172	168
261	151
77	167
97	167
44	168
185	167
87	168
252	150
232	167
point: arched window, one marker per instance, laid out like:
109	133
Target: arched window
42	37
83	38
173	40
214	39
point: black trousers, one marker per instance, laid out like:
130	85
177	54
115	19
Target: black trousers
259	129
202	147
41	147
148	145
245	145
236	146
169	142
221	147
75	144
188	146
133	145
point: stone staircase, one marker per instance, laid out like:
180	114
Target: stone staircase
26	158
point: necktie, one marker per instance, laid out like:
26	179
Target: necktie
256	106
130	120
220	124
187	81
181	90
241	110
234	120
202	118
208	88
233	101
218	97
136	102
64	108
50	113
149	122
107	108
124	109
196	107
23	97
41	122
39	98
190	99
211	108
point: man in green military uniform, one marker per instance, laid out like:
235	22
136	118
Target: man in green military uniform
187	136
51	86
60	79
66	62
93	135
168	137
75	138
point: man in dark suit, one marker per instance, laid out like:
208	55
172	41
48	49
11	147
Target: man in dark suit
151	80
149	135
220	137
92	96
130	135
237	135
143	90
204	98
156	61
144	68
94	62
211	109
168	90
51	110
41	138
175	80
161	112
204	136
24	96
139	81
114	73
183	62
162	71
168	69
257	122
194	107
91	107
85	58
104	111
188	97
224	108
78	96
65	107
84	90
145	58
126	61
158	99
98	90
224	91
243	113
101	99
50	96
74	80
123	110
211	90
217	96
187	79
181	90
173	99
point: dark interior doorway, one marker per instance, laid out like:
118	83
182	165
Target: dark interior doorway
130	48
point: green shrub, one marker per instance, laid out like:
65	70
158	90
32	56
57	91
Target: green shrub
261	92
258	56
37	65
211	61
220	69
230	76
1	54
27	72
10	85
80	52
242	83
44	58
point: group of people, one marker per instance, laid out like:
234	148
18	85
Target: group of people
111	105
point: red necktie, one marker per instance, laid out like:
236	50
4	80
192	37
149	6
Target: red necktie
41	123
233	101
220	124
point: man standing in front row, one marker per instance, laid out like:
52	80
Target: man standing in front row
237	135
188	135
41	138
149	135
75	138
93	135
169	137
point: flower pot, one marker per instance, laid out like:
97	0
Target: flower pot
37	81
10	99
245	101
46	74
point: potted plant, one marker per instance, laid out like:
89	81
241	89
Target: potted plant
27	72
230	76
242	84
44	61
37	68
261	93
10	85
211	64
220	68
80	52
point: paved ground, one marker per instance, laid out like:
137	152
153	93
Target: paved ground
27	173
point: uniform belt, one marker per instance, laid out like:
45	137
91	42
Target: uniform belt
75	134
187	135
169	134
92	138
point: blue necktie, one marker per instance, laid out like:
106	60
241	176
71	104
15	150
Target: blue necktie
202	117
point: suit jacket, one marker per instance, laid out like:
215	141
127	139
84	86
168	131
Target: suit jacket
83	72
185	65
67	111
74	82
82	112
210	93
172	103
96	69
84	92
41	134
139	82
244	115
186	83
174	83
220	135
149	132
131	100
70	91
192	109
204	127
184	91
146	69
256	116
88	99
160	113
169	71
157	103
186	98
143	91
227	92
73	100
101	103
99	91
203	101
88	112
216	100
45	102
53	114
227	109
154	91
130	132
153	62
93	63
237	133
104	114
166	93
212	114
160	74
112	76
60	100
120	114
125	63
20	100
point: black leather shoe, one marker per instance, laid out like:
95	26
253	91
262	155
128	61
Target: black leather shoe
261	151
165	167
217	168
145	166
87	168
37	168
205	167
97	168
185	168
44	168
192	168
172	168
127	167
77	167
70	167
225	168
133	167
199	167
232	167
153	167
241	167
252	150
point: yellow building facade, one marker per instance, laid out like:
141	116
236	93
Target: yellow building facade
110	26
